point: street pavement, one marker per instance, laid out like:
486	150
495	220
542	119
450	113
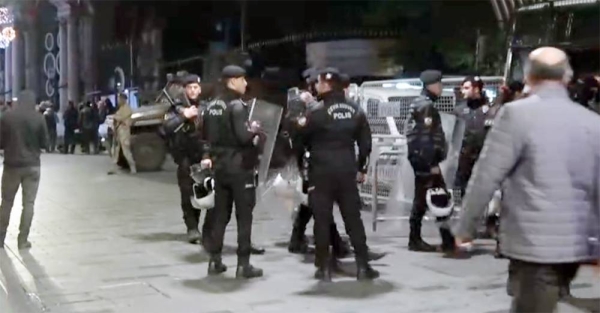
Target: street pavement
116	243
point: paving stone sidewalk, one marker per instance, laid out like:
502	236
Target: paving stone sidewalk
116	243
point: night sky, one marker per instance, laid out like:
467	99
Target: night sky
190	26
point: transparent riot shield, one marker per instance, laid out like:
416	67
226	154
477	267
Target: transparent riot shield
353	92
269	116
454	129
295	106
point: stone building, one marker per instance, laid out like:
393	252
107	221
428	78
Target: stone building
59	50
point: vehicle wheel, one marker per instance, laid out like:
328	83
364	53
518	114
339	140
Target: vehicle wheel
149	151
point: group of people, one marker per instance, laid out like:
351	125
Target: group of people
84	119
219	137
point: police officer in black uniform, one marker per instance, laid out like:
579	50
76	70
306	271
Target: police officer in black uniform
181	126
298	242
331	129
235	151
426	149
475	112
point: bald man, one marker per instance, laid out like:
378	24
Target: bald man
544	153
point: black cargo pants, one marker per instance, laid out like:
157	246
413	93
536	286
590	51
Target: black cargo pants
191	216
305	213
239	189
341	188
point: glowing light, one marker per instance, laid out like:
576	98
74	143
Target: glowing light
6	36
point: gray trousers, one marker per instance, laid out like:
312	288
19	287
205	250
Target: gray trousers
537	288
13	177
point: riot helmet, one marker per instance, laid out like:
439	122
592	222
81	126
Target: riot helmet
440	202
203	197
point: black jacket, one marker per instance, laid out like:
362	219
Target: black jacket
426	140
475	113
184	137
231	144
332	128
23	133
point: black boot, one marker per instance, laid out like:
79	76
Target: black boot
415	242
216	266
364	271
194	236
246	271
257	250
298	241
341	249
323	274
298	246
449	246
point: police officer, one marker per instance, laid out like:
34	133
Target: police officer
331	129
182	127
234	149
298	242
426	149
476	113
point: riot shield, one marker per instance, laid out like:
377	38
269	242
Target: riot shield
454	129
295	106
269	117
353	92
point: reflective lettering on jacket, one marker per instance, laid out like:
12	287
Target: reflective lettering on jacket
341	111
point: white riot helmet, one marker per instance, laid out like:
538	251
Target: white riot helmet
203	189
440	202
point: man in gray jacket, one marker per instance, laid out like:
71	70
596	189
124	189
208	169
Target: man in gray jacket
543	152
22	137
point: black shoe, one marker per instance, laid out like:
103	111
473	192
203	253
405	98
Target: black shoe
343	251
366	272
248	271
216	266
194	236
418	245
298	247
323	274
256	250
374	256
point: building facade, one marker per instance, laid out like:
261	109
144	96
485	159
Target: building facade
67	50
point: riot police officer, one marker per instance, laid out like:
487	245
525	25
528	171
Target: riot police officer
234	149
426	149
298	242
182	128
477	114
331	129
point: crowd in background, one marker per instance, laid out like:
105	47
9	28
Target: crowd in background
80	123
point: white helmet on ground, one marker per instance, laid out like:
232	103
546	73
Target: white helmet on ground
440	202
